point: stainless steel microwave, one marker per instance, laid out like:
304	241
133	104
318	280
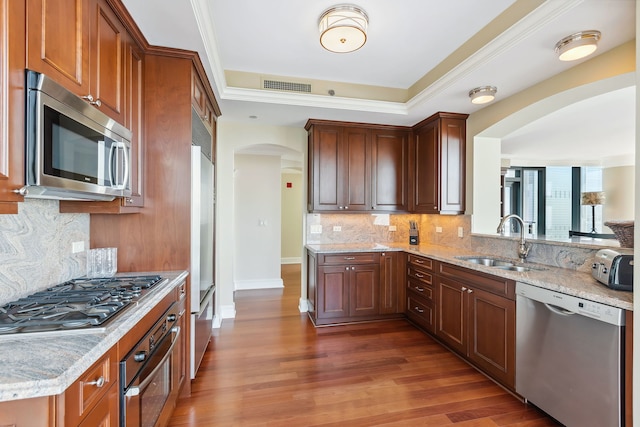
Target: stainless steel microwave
73	150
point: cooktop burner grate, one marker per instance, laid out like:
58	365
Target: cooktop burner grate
77	304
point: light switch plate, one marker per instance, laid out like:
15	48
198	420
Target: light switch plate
438	229
315	229
460	232
77	247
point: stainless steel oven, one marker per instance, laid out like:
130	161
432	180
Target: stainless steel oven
147	373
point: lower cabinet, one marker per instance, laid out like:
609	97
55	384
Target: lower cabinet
470	312
351	287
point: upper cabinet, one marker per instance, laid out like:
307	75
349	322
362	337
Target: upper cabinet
438	164
356	167
80	44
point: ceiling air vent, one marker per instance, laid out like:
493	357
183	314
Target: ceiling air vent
288	86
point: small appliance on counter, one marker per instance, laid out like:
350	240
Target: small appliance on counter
413	233
614	268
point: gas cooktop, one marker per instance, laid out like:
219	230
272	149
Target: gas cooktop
77	305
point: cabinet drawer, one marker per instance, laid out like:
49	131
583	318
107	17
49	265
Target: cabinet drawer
494	284
419	261
349	258
420	288
83	394
421	275
421	312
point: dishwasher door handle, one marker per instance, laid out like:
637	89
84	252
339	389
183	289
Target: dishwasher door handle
559	310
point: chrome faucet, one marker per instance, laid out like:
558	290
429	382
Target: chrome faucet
523	249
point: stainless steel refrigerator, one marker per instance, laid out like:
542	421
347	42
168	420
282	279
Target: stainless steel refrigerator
202	243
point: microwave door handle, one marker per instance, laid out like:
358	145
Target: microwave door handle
114	146
135	390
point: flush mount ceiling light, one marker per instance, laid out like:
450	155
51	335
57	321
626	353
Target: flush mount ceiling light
483	94
343	28
577	45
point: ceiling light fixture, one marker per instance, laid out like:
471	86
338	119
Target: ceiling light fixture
483	94
343	28
577	45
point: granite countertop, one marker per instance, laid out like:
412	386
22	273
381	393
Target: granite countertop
562	280
46	365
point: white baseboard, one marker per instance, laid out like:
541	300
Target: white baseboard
217	321
303	306
291	260
241	285
228	311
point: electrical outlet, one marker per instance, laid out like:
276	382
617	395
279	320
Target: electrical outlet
77	247
337	228
315	229
460	232
392	228
438	229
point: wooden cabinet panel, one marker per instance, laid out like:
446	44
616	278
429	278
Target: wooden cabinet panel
364	290
325	150
106	411
493	335
106	66
35	412
356	171
333	291
490	283
349	258
58	34
438	170
389	175
392	268
134	97
451	326
421	312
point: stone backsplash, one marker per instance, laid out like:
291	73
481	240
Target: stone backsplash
443	230
35	248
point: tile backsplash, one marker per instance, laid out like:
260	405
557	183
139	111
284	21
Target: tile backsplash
35	248
445	230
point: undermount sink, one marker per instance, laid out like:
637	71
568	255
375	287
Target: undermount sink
498	263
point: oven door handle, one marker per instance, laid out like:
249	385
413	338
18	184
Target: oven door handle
135	390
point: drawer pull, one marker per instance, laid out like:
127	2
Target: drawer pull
349	258
418	309
98	383
419	289
419	261
420	276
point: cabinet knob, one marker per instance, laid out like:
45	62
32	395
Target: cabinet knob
463	289
340	207
98	383
347	268
89	98
353	268
470	291
346	207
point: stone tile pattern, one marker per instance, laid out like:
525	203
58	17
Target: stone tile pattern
374	228
35	248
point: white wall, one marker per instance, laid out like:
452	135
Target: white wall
618	186
232	136
257	227
292	214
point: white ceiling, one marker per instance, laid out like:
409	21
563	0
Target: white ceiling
406	40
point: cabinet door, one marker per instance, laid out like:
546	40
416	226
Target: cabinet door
106	412
325	152
107	56
58	41
364	290
391	283
134	72
354	173
333	291
492	335
426	169
451	324
452	165
389	170
180	353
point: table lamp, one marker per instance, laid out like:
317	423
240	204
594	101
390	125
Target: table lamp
593	198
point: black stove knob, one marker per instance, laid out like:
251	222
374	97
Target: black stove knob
140	356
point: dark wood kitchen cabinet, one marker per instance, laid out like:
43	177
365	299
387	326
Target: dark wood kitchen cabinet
475	317
421	306
80	44
357	167
354	287
438	164
12	103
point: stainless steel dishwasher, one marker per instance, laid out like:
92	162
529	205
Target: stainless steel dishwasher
569	357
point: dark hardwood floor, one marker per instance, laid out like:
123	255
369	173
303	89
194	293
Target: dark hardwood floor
270	367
